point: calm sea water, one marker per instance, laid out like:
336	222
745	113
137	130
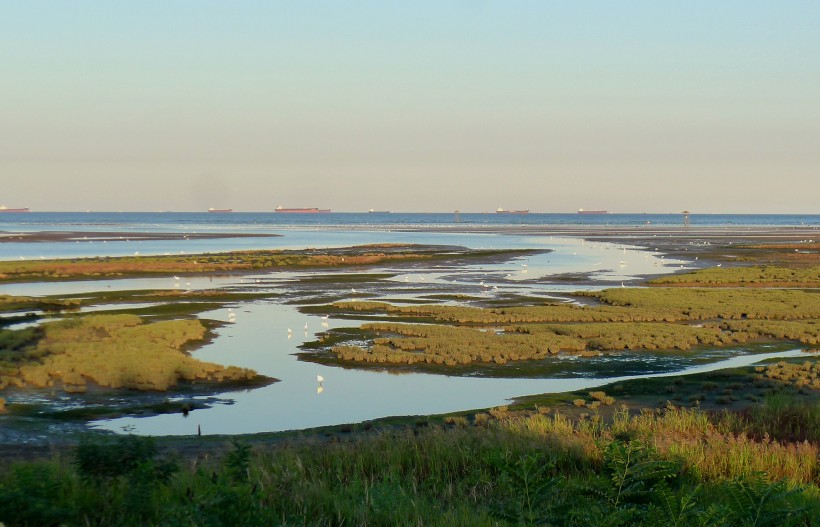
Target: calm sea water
263	221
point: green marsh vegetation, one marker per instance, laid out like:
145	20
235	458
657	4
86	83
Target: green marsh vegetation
792	255
115	351
10	304
790	386
630	454
504	467
237	261
752	276
623	319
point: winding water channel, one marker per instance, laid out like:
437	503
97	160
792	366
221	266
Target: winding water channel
255	334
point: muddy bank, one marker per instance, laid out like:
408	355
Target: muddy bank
73	236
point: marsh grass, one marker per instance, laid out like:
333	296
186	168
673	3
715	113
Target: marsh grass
237	261
11	304
117	351
751	276
678	467
628	319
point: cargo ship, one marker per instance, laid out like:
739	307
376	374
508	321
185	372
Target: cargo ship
3	208
499	210
220	210
372	211
582	211
310	210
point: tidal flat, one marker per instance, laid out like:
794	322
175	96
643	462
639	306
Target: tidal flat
642	356
494	312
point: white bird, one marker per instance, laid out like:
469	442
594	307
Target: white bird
622	284
353	291
719	265
306	325
320	379
176	278
325	317
290	331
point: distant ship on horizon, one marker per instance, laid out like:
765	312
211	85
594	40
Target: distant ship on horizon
582	211
220	210
308	210
500	210
3	208
379	211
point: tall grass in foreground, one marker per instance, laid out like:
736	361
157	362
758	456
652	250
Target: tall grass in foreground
674	468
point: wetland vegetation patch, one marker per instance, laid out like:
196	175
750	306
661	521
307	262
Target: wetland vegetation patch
505	466
116	351
239	261
625	319
750	276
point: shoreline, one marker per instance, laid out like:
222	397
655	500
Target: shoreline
592	232
117	236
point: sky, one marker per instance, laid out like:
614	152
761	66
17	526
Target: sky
429	105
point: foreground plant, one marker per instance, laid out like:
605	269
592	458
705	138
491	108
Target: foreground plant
531	470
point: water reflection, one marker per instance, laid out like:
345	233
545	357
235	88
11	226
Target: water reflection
265	334
259	341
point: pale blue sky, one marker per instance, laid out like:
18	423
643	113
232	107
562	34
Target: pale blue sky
438	105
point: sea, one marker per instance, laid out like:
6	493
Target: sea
160	221
266	334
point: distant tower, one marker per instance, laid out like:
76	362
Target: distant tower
457	217
686	218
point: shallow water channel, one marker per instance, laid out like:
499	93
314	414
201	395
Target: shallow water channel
256	333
